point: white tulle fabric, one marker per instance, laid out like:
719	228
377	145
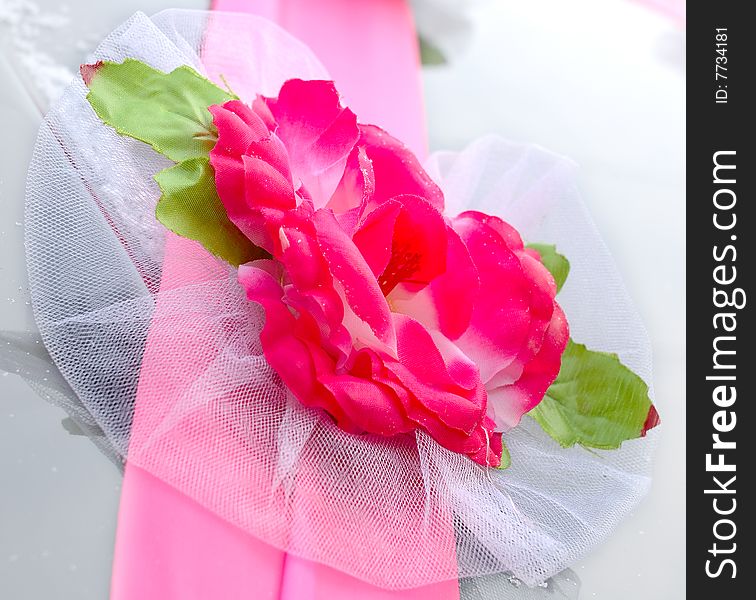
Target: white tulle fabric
379	509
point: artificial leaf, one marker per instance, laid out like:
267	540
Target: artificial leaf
506	458
191	208
430	54
558	265
595	401
168	111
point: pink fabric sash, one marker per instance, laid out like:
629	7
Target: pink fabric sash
167	545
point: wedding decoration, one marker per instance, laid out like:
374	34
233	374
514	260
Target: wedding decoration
407	372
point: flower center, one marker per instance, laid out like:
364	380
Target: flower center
404	263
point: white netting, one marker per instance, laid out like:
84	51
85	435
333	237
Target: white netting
218	425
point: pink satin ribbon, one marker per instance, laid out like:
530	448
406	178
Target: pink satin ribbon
370	50
170	547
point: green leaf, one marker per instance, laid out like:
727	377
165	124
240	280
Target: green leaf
506	457
168	111
557	264
191	208
430	54
595	401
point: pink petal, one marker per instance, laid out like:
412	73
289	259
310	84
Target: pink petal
397	170
371	405
318	133
238	125
405	238
241	131
485	446
291	346
418	246
308	270
460	368
447	303
266	186
260	106
509	402
356	187
349	268
502	323
455	421
293	357
421	368
256	188
374	236
375	395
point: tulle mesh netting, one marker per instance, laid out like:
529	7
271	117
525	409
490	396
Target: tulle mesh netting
168	362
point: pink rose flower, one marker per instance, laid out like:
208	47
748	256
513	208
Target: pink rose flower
379	309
